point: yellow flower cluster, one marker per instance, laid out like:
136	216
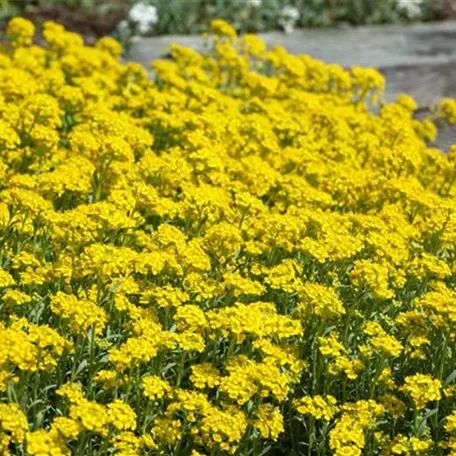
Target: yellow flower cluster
318	407
422	389
250	253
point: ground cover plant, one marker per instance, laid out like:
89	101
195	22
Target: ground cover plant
240	256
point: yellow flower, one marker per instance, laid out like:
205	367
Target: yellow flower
110	45
121	415
155	387
374	276
14	421
319	407
20	31
319	300
223	29
82	314
16	297
204	375
6	279
46	443
422	389
269	421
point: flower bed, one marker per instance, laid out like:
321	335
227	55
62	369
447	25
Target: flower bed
236	258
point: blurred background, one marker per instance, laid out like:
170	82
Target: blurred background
126	19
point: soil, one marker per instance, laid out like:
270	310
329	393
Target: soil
88	24
448	10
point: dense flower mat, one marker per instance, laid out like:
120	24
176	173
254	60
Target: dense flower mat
237	258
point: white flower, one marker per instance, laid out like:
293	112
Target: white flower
144	16
288	28
290	12
255	3
411	7
288	18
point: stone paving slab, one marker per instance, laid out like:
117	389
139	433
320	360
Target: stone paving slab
380	46
418	59
412	55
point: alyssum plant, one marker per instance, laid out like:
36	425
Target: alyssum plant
236	258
